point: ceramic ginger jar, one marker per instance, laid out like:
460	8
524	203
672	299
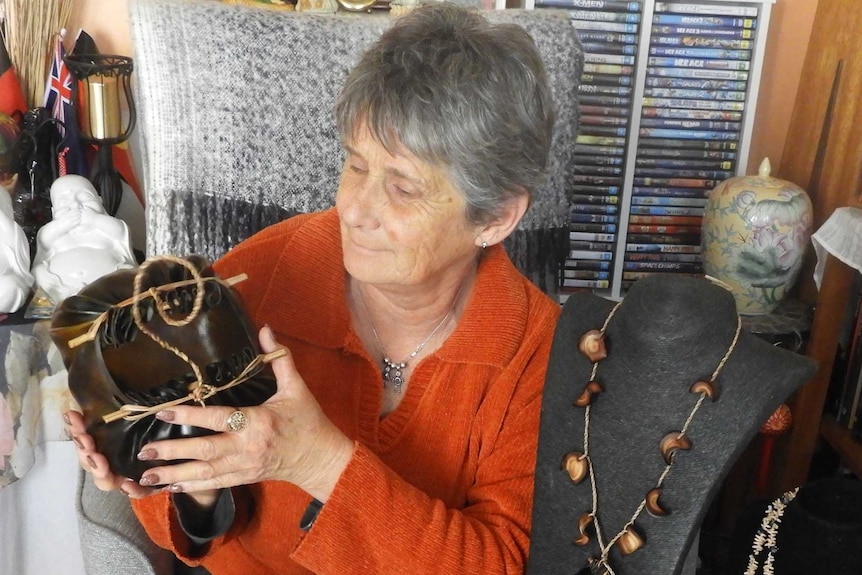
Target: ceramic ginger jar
754	235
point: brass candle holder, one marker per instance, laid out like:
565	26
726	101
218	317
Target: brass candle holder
101	93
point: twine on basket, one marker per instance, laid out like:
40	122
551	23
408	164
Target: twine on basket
199	391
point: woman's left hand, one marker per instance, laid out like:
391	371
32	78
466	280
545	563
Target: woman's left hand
287	438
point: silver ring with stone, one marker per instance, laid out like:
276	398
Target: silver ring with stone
237	421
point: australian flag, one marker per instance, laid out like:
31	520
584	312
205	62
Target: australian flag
58	101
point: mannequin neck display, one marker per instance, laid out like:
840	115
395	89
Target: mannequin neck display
669	333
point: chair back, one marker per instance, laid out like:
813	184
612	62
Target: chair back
236	128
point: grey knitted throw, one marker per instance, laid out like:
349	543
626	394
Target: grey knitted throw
236	129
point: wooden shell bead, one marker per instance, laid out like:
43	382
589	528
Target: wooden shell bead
576	465
630	541
592	345
653	503
584	522
711	389
671	443
586	397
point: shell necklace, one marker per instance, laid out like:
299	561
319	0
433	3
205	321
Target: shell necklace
393	371
767	535
579	464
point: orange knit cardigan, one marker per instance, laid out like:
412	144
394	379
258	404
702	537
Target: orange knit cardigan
441	485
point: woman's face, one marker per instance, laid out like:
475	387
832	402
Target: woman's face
402	221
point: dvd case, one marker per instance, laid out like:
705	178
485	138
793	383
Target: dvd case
594	199
678	239
611	5
592	237
687	93
610	37
698	31
591	227
660	256
663	229
706	8
691	267
668	201
574	264
703	42
630	17
604	90
705	20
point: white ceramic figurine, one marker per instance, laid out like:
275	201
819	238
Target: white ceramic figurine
82	242
15	278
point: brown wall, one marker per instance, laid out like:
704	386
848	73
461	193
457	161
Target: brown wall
789	32
107	21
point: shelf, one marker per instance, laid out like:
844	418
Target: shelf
839	438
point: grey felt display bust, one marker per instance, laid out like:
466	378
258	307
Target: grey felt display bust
668	333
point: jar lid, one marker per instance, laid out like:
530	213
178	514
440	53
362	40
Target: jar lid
762	180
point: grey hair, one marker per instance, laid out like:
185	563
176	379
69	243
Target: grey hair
460	93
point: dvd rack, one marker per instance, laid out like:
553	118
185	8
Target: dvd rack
667	102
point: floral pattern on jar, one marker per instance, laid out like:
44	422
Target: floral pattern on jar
754	236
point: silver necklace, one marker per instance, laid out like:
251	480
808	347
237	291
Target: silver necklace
393	372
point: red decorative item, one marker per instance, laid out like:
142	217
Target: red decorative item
777	424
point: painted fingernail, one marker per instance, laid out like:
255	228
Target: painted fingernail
91	463
165	415
147	454
175	488
78	443
147	480
66	419
125	491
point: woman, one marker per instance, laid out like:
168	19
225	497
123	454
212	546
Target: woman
446	122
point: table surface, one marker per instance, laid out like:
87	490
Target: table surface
34	393
38	522
38	465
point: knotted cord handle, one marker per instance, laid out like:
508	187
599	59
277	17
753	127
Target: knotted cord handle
162	309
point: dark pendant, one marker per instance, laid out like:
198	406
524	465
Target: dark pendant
392	373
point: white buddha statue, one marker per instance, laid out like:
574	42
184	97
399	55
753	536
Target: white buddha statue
15	278
81	243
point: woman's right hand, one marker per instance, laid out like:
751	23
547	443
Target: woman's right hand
97	464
